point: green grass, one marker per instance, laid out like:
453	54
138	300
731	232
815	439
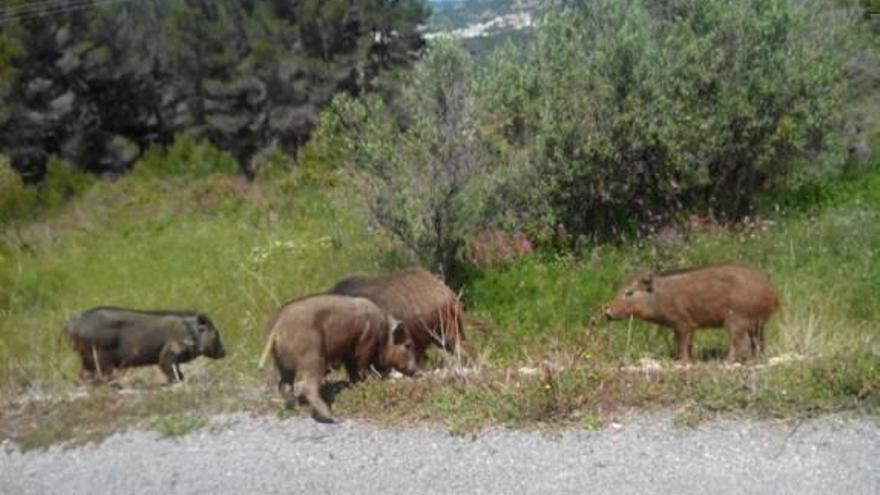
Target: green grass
584	396
236	250
825	262
215	244
179	423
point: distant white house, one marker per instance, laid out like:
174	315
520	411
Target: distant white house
508	22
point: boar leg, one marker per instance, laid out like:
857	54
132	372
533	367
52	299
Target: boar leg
313	367
683	340
88	366
285	386
95	364
740	337
756	336
168	361
311	391
353	367
287	375
102	364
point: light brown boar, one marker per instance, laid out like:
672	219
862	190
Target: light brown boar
313	334
738	298
428	309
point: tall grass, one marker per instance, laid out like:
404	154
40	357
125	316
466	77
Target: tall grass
825	262
236	250
215	244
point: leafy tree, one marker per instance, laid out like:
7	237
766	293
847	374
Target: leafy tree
99	83
425	173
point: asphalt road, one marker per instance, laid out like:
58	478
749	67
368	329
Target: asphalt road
642	455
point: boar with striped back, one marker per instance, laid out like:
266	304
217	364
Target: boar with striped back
737	298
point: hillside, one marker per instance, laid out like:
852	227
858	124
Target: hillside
482	25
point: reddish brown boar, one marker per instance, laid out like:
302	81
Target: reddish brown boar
738	298
315	333
428	309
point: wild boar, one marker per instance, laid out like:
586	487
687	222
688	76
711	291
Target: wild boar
313	334
428	309
107	338
738	298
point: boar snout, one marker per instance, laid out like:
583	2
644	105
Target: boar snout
410	369
406	364
606	311
212	347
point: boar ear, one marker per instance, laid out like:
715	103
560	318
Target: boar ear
204	322
648	282
396	330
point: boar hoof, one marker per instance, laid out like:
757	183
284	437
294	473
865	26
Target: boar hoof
320	418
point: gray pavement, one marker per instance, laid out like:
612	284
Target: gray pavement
642	455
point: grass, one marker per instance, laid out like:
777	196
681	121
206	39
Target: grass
236	250
219	249
179	424
826	265
579	396
93	415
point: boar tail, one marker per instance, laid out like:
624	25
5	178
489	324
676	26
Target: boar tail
270	340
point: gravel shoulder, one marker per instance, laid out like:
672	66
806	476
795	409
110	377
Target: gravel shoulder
643	454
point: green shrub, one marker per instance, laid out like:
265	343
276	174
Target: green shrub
273	164
62	183
321	159
853	189
19	202
186	157
632	111
16	201
424	173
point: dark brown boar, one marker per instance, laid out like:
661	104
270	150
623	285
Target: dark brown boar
315	333
107	338
738	298
428	309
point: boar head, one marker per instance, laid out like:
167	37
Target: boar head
400	352
635	297
208	338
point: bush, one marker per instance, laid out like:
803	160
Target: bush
186	157
325	153
19	202
62	183
15	200
425	172
635	111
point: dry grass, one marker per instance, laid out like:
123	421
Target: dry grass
813	327
571	393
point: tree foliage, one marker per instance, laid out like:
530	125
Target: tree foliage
633	111
98	83
423	169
